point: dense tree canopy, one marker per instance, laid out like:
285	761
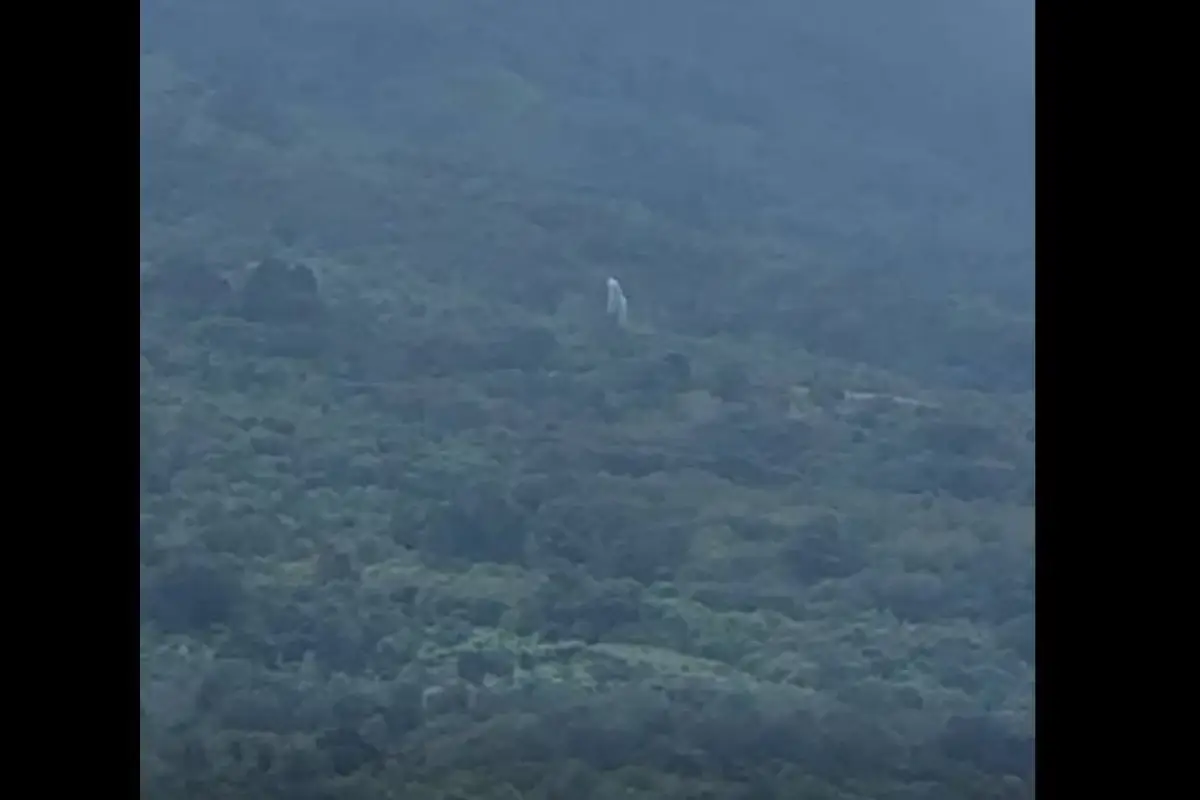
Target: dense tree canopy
418	521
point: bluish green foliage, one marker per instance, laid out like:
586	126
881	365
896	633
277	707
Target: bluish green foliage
419	522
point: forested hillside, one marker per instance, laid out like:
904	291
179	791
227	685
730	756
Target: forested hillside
419	521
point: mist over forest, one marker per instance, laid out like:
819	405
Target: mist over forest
420	519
